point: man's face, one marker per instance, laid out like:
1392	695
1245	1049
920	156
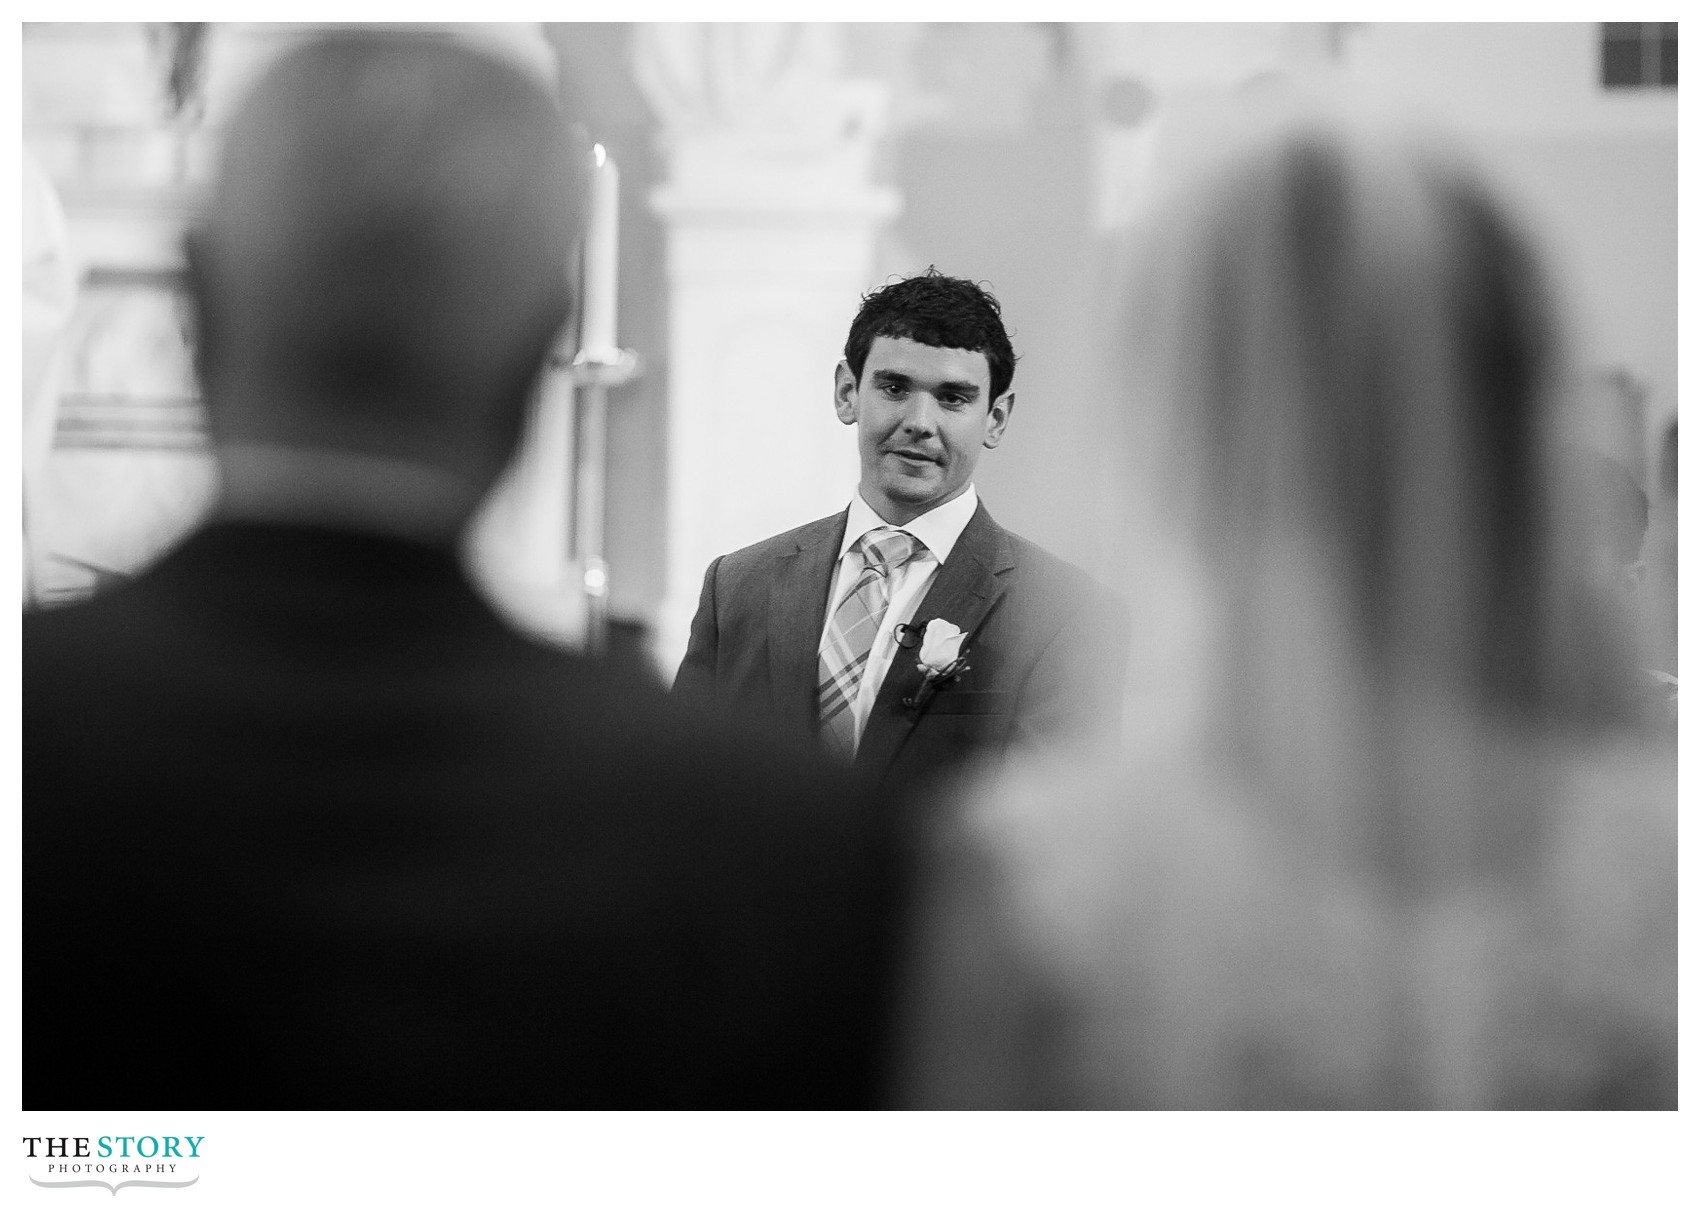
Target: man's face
923	415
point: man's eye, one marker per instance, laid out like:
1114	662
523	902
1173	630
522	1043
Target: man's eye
953	401
894	391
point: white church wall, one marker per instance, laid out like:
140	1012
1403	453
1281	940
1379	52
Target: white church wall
1593	170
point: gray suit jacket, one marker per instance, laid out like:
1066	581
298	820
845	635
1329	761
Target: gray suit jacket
1047	649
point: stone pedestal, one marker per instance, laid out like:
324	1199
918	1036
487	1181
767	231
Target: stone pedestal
771	218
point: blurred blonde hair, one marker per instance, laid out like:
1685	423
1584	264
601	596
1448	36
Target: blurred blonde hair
1345	353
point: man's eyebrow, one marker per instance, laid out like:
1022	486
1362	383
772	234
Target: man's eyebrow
965	388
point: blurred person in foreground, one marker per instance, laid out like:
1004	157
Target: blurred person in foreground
1410	851
910	634
305	824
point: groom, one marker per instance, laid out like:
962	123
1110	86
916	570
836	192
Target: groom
846	628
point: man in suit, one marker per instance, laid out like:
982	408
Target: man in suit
821	629
306	825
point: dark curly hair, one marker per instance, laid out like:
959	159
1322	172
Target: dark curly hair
934	309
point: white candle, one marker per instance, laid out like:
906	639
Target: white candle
602	259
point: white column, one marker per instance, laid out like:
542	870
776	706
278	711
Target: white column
771	217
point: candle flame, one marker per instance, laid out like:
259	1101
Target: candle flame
601	154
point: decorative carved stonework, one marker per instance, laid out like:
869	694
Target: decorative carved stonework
778	88
758	110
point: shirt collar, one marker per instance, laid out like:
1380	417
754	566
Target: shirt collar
938	528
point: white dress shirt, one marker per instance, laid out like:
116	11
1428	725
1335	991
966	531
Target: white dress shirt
937	529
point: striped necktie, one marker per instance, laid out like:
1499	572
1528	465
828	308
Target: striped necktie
850	636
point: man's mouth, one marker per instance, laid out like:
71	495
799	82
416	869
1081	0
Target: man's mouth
914	456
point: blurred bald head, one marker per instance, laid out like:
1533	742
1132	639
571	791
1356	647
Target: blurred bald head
384	262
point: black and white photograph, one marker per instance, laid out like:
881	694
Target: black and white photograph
779	570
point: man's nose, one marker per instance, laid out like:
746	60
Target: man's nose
921	417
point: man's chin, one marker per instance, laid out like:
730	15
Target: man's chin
918	493
913	491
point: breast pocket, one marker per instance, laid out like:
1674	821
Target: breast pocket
968	724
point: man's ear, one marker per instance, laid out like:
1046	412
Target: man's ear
844	393
997	419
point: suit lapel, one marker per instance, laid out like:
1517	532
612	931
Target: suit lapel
964	592
802	580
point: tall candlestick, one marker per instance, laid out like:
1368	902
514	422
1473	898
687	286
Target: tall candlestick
602	259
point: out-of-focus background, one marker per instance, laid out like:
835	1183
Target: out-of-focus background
769	174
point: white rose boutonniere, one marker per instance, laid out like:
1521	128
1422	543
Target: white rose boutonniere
942	659
941	647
